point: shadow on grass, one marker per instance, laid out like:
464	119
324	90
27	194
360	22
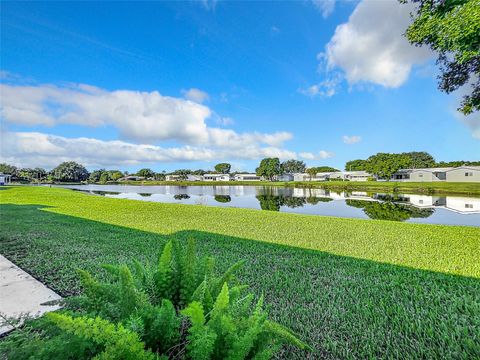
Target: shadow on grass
344	307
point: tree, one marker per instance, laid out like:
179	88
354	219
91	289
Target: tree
325	169
70	171
146	173
223	168
421	159
384	165
451	28
114	175
269	167
95	175
104	177
356	165
292	166
8	169
160	176
312	172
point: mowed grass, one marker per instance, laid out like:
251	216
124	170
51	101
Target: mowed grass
351	288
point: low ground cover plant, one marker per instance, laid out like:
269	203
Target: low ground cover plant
177	308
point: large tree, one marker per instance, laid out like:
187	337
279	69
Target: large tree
223	168
70	171
356	165
269	168
292	166
8	169
146	173
451	28
384	165
421	159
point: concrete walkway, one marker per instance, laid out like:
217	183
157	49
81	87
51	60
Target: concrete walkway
21	294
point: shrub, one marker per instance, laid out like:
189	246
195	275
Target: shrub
174	308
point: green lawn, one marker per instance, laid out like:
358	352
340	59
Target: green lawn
460	188
351	288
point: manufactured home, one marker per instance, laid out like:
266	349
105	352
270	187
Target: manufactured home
216	177
247	177
448	174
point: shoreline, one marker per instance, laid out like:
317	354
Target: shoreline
470	189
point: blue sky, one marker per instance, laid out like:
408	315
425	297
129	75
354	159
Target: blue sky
171	85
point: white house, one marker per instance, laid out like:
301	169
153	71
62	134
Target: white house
463	174
216	177
246	177
448	174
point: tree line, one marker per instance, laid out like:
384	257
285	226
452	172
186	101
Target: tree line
382	165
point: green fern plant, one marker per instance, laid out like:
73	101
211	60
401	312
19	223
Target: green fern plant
175	308
119	343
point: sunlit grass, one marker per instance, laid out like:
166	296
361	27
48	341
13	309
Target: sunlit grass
351	288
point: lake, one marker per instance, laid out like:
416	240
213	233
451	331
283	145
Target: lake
431	209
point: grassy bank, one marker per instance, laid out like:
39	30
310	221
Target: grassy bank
351	288
417	188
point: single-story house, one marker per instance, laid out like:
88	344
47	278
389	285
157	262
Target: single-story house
216	177
301	177
357	175
131	178
246	177
463	174
5	179
448	174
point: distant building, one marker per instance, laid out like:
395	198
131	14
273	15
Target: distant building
216	177
246	177
448	174
284	177
131	178
5	179
188	177
334	175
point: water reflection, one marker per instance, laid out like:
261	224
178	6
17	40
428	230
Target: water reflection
436	209
389	210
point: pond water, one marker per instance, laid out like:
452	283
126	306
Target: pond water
450	210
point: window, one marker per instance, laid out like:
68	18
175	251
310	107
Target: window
421	175
469	206
469	174
420	201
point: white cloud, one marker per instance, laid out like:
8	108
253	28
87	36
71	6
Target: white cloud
325	7
274	29
326	88
196	95
225	121
351	139
371	47
145	117
322	154
31	149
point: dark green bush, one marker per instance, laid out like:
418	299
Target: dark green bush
176	308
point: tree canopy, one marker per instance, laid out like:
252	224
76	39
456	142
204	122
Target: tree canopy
269	167
384	165
223	168
292	166
146	173
70	171
356	165
451	28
